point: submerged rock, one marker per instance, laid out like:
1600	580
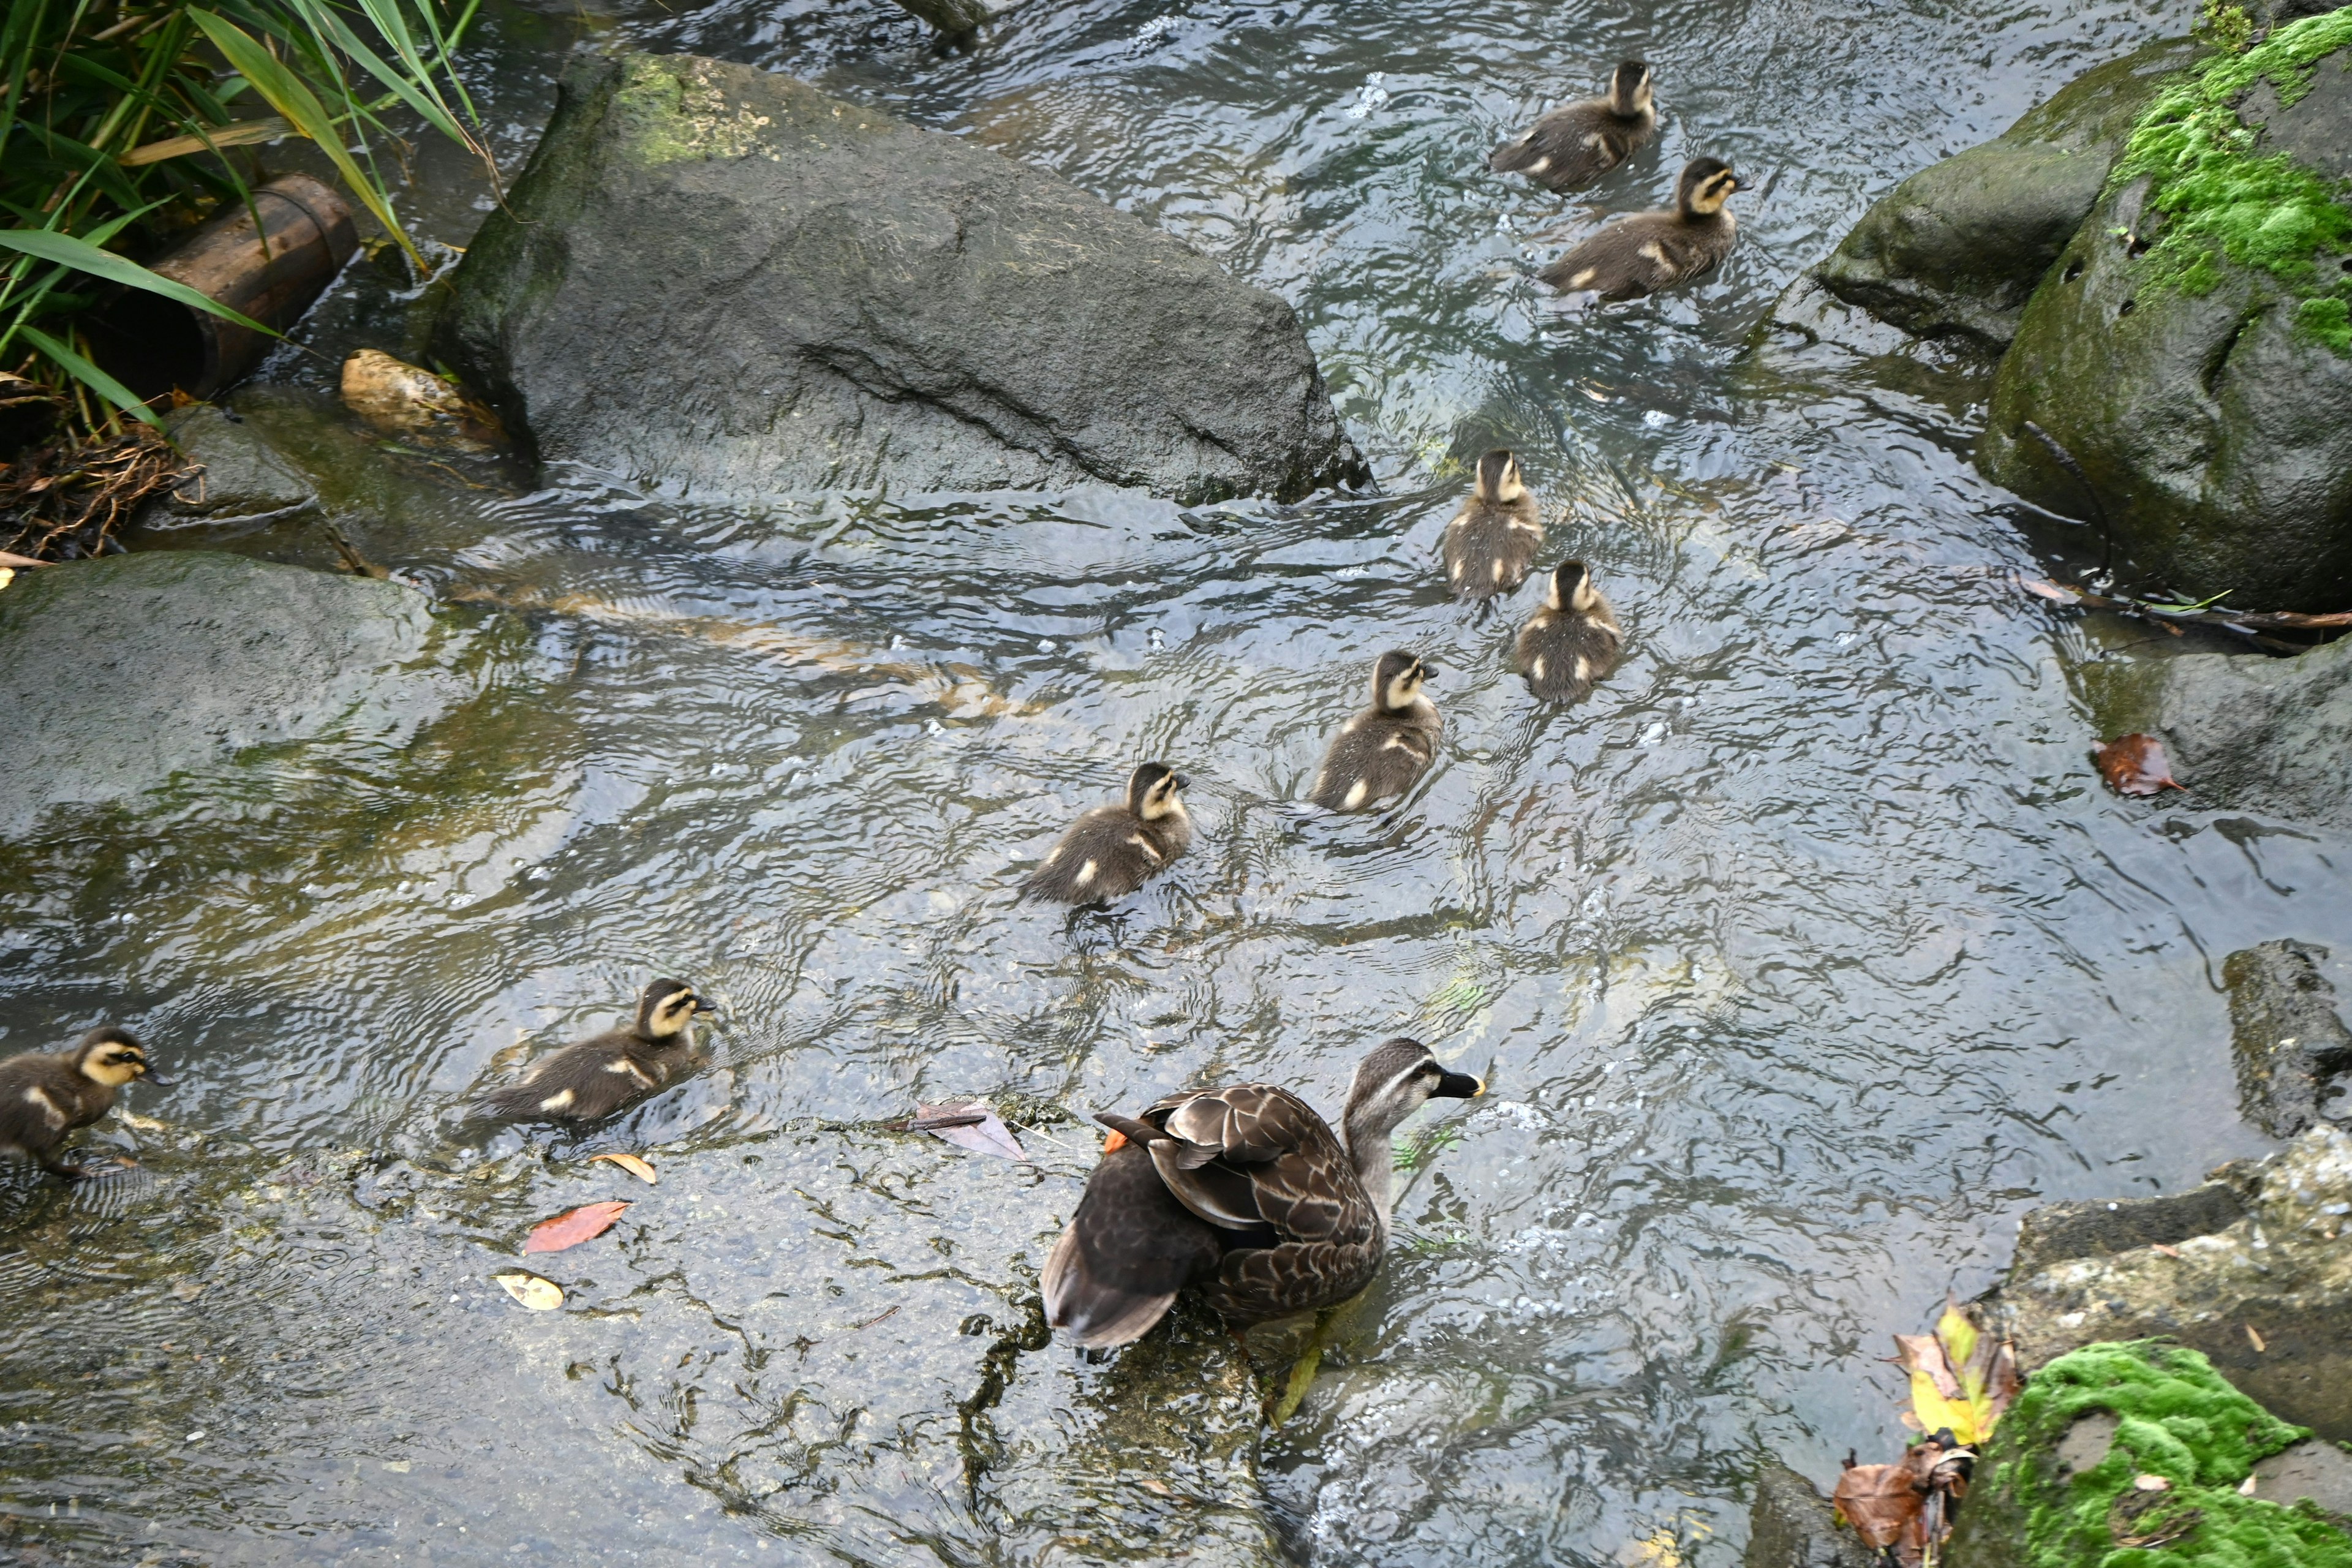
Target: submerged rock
396	396
719	280
2285	1031
2267	1296
1792	1525
1958	247
242	478
2244	732
2115	1451
127	673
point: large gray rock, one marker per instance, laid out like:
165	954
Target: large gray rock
1958	247
722	281
2245	731
241	478
131	671
2283	1270
2285	1032
2213	425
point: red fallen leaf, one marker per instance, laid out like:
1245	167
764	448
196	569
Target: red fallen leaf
2135	764
572	1226
984	1133
1881	1501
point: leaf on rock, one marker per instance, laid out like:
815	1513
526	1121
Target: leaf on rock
1937	1412
2135	764
640	1168
1881	1501
539	1295
988	1135
572	1226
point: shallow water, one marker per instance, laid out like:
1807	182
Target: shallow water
1801	960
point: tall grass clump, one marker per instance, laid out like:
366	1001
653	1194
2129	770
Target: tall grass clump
114	118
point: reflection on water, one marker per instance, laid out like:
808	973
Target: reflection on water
1801	959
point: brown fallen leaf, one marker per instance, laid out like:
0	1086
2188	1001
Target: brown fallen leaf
1881	1501
2135	764
2158	1247
539	1295
572	1226
641	1169
985	1135
1922	1352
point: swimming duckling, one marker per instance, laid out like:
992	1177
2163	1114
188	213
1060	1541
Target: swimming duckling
1114	849
1654	251
1384	749
1244	1191
43	1097
1573	146
1572	641
593	1079
1492	541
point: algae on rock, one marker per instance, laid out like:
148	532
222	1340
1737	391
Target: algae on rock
2040	1501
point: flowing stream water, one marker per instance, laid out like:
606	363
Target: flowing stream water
1800	961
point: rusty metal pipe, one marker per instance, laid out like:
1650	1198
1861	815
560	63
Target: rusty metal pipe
152	344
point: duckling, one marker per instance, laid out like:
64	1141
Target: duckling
1492	541
1114	849
43	1097
1570	644
1244	1191
1654	251
1573	146
590	1080
1384	749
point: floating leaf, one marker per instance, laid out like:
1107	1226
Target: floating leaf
1959	1339
2135	764
1881	1501
1937	1412
539	1295
1924	1353
988	1135
641	1169
572	1226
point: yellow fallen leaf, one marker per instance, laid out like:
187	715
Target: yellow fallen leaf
1959	1338
539	1295
641	1169
1934	1411
2256	1339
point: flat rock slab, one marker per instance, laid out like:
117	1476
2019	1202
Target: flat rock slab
2285	1032
2267	1298
722	281
127	672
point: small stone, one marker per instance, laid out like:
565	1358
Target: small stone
2152	1483
399	398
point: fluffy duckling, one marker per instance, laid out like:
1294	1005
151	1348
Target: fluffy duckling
1654	251
1244	1191
1383	750
1114	849
1572	641
1491	542
1573	146
593	1079
44	1097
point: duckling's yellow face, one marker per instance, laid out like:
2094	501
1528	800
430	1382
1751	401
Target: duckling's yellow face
1708	197
114	1064
1162	798
673	1014
1403	687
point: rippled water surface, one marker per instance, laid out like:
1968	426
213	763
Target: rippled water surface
1801	960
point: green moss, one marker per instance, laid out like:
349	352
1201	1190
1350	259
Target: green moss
2179	1420
2219	198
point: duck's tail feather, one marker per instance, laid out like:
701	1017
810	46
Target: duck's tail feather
1126	1254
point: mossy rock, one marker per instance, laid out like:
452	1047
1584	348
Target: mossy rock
2049	1494
2191	349
1957	248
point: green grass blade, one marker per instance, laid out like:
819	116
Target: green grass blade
88	375
84	257
285	92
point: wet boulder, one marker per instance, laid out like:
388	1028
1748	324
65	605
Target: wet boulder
1957	248
720	280
240	478
2267	1296
1792	1525
135	673
2191	349
2285	1034
2244	732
